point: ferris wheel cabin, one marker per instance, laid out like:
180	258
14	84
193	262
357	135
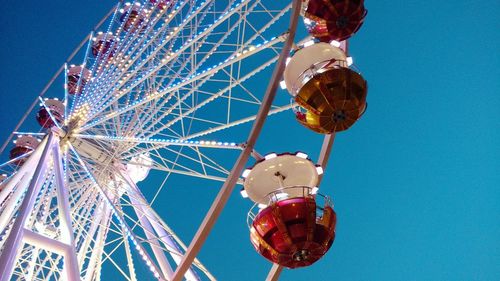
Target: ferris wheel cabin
332	95
132	16
78	76
23	145
52	107
338	20
288	225
162	4
104	44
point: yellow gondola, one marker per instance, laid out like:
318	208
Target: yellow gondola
334	100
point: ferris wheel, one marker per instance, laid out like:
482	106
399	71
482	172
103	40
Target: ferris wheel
178	88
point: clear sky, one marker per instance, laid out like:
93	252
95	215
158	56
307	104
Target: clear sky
416	182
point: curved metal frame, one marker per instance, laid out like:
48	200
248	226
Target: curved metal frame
223	195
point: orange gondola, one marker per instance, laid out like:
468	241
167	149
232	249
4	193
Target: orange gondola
330	96
334	100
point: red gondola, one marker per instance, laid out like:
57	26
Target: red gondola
338	20
162	4
132	16
292	227
290	233
104	44
56	108
78	76
23	145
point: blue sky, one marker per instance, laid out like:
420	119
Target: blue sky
416	182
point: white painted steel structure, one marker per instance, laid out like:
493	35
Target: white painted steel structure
184	76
